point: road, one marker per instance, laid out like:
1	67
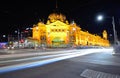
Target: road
76	63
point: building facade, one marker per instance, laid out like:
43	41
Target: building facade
58	32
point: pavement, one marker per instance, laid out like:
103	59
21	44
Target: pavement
116	49
98	65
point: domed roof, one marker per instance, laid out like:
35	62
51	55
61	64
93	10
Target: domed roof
56	16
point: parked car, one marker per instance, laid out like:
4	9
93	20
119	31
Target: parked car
10	47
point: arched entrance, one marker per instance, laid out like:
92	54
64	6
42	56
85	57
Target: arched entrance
58	42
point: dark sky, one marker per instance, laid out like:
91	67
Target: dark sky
21	14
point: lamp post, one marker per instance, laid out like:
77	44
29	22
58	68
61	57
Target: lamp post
100	17
114	31
18	38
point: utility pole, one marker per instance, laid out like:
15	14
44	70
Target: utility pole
114	31
18	37
8	38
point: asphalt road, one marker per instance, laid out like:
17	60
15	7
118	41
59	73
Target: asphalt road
101	63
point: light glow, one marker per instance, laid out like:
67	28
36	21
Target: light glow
100	17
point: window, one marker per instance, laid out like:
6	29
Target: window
59	30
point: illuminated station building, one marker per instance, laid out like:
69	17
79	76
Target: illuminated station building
58	32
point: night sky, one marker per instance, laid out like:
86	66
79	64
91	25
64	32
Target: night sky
21	14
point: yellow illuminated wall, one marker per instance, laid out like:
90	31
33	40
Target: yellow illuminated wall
59	32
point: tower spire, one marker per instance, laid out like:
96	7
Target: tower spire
56	4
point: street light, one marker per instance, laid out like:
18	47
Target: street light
100	17
115	33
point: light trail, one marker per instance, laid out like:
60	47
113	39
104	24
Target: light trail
39	57
48	61
31	54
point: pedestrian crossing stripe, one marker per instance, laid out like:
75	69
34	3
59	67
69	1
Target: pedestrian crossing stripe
88	73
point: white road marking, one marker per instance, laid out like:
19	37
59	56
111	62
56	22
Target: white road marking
88	73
